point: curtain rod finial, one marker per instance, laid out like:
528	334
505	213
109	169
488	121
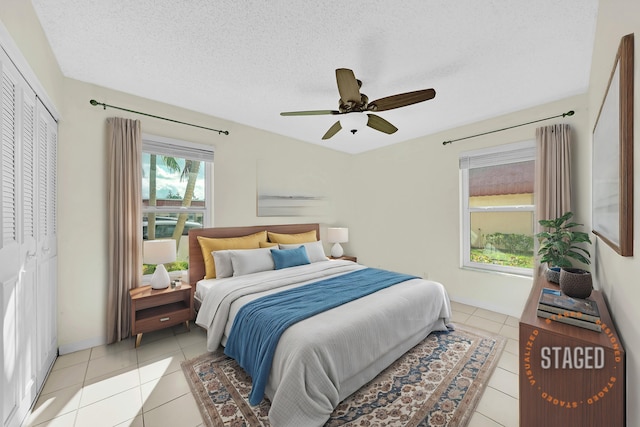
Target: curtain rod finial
569	113
94	103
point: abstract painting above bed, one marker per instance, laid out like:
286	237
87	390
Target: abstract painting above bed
320	360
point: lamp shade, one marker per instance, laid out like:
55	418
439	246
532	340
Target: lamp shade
159	251
337	235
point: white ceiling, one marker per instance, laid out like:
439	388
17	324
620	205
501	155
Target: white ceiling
247	61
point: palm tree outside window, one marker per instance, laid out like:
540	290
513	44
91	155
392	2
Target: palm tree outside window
176	193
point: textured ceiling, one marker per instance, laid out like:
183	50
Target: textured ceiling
246	61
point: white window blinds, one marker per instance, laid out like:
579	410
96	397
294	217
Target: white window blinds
510	153
173	148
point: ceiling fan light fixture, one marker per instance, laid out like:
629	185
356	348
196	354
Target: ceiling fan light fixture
353	122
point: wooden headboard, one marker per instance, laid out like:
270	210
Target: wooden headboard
196	261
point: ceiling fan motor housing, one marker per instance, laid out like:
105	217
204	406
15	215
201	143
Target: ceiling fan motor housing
353	106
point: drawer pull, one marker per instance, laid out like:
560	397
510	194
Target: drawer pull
164	319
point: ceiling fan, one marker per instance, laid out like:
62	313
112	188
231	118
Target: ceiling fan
352	101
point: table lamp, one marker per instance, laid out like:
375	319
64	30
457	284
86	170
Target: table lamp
337	236
159	252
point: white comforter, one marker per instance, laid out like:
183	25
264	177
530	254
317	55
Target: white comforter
322	360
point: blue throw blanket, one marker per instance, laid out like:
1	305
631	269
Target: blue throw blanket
259	324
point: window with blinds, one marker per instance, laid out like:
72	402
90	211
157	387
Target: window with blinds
498	208
177	182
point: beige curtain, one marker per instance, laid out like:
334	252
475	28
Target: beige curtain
125	222
553	171
553	174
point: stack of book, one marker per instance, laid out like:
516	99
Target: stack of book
558	307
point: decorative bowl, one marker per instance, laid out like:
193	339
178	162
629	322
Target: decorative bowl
575	282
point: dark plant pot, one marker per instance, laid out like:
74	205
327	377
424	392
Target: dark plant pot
575	282
553	274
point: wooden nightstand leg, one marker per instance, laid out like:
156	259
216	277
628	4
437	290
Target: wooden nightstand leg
186	323
138	339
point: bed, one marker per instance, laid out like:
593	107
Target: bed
320	360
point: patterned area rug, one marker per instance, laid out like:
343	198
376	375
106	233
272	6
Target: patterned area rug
437	383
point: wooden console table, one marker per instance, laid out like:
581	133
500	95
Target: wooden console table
570	376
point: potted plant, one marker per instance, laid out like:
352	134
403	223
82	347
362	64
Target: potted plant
559	248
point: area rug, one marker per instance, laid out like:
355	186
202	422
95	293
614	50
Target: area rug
437	383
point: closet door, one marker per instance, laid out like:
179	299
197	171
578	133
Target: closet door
9	245
46	292
13	366
27	291
27	263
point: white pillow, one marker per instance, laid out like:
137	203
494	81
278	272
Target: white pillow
315	251
247	261
222	260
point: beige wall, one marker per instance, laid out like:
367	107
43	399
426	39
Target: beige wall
20	20
82	174
618	276
82	186
406	210
401	203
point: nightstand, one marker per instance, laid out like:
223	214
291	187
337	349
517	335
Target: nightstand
154	309
346	257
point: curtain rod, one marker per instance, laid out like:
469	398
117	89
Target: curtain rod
94	103
568	113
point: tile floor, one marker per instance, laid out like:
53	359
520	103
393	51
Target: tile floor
118	385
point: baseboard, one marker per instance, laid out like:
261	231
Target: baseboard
81	345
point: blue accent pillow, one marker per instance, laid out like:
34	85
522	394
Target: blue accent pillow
284	258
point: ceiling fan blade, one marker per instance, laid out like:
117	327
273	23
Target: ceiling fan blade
309	113
347	85
378	123
401	100
332	130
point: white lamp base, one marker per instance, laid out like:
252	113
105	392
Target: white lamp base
160	278
336	250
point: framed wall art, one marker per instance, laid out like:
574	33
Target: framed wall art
612	163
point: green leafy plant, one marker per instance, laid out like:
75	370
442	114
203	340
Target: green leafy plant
559	244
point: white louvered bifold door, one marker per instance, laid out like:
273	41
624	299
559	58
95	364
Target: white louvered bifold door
9	246
46	294
27	284
8	169
27	259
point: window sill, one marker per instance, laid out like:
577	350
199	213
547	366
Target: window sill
501	273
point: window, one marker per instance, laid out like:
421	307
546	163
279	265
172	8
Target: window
176	192
498	208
